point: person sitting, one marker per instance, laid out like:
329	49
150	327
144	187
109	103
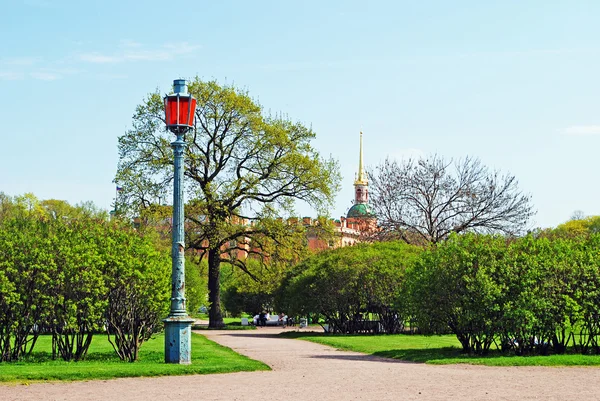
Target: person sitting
282	319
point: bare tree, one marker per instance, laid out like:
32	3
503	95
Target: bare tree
425	200
577	215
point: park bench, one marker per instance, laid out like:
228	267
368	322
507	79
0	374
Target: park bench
273	320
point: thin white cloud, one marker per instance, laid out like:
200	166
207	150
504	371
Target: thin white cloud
45	76
19	68
63	71
583	130
134	51
110	77
99	58
182	48
129	43
11	76
148	55
52	74
19	61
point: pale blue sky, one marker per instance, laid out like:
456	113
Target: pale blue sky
514	83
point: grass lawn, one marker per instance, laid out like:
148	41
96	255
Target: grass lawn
226	320
231	323
435	350
102	362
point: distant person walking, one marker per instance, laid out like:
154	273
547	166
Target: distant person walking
262	319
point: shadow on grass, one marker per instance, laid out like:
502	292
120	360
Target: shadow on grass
301	334
256	334
412	355
423	355
43	357
362	358
435	351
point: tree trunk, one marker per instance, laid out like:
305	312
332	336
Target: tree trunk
215	319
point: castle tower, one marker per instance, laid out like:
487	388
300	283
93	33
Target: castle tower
361	189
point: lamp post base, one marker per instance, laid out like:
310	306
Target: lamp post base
178	339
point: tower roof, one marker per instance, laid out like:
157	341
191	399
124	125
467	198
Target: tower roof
359	210
361	178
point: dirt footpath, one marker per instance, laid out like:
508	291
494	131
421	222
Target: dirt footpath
303	370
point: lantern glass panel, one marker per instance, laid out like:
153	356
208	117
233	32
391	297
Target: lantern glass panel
192	112
167	111
184	109
171	112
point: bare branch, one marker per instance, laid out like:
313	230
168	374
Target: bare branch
424	201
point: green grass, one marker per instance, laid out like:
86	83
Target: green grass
231	323
226	320
102	362
438	350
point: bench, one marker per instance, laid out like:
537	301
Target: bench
271	321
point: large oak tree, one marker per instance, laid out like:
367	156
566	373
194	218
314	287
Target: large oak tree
240	165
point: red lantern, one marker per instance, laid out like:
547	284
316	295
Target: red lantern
180	108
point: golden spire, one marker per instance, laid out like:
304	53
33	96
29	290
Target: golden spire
361	179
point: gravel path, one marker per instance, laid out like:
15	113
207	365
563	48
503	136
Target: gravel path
303	370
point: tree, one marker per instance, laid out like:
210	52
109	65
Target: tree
77	289
26	268
577	215
343	283
243	294
51	276
240	166
256	291
424	201
458	284
138	279
574	228
541	305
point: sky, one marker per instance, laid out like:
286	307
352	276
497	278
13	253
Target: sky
513	83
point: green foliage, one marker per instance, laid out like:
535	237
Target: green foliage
576	228
78	293
344	283
26	270
139	282
254	289
244	294
68	271
458	284
196	292
529	295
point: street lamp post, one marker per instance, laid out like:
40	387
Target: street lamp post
179	116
